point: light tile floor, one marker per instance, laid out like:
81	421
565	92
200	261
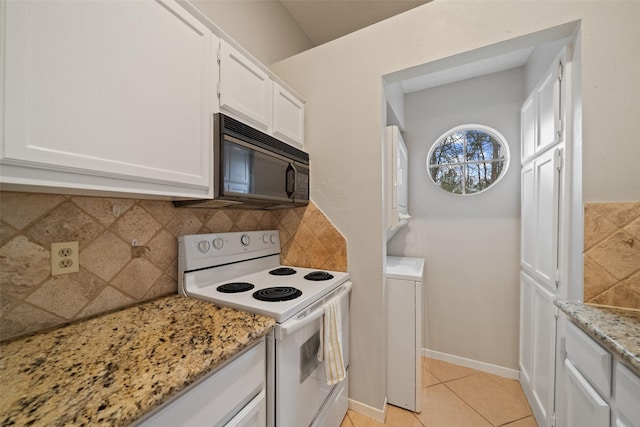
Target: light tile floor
455	396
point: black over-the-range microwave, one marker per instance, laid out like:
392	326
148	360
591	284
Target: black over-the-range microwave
253	170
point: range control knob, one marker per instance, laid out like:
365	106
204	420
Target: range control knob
245	240
218	243
273	238
203	246
265	238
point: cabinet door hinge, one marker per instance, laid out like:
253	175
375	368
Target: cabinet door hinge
557	277
219	55
560	70
558	160
218	89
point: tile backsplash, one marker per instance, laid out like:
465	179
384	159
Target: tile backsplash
612	254
112	273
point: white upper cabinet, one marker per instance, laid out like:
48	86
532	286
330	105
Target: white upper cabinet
541	115
529	127
245	90
288	116
108	95
540	200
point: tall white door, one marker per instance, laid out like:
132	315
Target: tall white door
541	198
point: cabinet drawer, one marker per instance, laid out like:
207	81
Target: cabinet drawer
593	361
233	394
627	395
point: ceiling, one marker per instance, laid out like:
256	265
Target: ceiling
326	20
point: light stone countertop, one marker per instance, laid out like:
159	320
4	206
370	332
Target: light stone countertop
616	329
112	369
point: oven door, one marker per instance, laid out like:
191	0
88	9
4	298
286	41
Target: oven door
301	388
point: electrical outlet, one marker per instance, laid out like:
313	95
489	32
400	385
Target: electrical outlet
64	258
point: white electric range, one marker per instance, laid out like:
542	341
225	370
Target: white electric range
242	270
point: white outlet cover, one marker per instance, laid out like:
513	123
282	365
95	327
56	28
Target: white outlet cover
57	259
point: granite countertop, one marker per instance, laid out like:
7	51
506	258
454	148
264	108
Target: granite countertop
111	370
617	329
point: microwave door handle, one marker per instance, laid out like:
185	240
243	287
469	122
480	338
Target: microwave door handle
291	180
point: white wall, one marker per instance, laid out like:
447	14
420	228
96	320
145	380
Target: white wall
471	243
263	27
341	82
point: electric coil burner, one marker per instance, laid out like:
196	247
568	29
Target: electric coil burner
278	293
235	287
282	271
318	276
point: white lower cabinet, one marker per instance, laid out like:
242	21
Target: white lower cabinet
599	391
233	396
107	95
585	407
537	348
627	397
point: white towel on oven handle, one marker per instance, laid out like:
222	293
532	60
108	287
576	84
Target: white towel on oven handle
330	350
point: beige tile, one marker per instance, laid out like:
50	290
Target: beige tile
163	249
24	265
624	294
106	256
7	233
634	230
108	299
137	224
511	385
220	222
162	211
398	417
136	278
490	399
164	286
184	222
596	279
619	213
25	319
428	379
596	227
442	408
359	420
105	210
247	222
445	371
618	254
525	422
65	223
67	294
346	421
21	209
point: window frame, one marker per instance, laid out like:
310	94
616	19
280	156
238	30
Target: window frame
466	127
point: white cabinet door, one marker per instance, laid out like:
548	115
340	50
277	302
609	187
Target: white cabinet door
547	200
529	127
540	201
548	110
584	407
537	347
526	329
108	95
288	116
627	394
245	91
544	349
528	237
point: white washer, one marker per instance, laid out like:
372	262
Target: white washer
404	277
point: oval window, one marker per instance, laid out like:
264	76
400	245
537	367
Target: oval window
468	159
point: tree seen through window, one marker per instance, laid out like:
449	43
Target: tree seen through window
468	159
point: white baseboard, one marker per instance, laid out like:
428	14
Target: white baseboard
474	364
369	411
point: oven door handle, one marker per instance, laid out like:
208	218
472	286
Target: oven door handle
291	326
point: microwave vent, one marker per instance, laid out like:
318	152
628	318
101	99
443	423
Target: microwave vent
247	133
